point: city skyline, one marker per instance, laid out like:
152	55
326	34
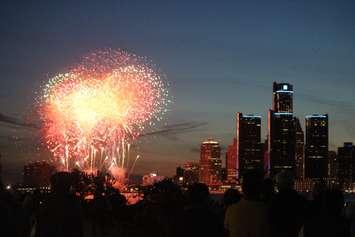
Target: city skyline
217	65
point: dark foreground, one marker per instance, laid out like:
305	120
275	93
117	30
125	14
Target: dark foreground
74	208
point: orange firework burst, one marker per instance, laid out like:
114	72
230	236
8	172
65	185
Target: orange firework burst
93	112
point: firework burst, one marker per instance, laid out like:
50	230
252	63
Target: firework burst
92	113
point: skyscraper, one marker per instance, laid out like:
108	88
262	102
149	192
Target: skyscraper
282	97
191	172
249	150
346	163
210	162
231	162
281	130
316	152
333	165
299	149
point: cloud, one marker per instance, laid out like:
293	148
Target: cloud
170	131
9	120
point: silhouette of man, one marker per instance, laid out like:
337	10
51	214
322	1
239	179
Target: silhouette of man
61	213
330	221
200	218
249	217
288	208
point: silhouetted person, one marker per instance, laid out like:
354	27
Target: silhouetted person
315	205
330	222
61	214
288	208
200	217
9	222
249	217
268	191
230	197
99	209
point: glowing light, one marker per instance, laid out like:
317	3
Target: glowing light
92	113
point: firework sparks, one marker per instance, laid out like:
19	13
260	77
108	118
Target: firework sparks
92	113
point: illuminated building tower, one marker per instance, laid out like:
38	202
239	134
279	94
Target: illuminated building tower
191	172
37	174
210	162
299	169
281	130
282	97
231	162
249	154
346	163
316	151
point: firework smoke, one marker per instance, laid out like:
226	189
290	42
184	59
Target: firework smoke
91	114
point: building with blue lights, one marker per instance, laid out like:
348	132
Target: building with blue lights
281	130
282	98
316	151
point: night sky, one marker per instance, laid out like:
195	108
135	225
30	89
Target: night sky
219	58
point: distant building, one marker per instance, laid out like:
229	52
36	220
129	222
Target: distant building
151	179
38	173
191	172
333	165
346	163
281	130
281	142
282	101
299	150
210	162
231	162
316	151
249	150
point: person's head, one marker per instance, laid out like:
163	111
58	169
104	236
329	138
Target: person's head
251	184
268	189
231	196
198	193
61	182
285	180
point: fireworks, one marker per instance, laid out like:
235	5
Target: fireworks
92	113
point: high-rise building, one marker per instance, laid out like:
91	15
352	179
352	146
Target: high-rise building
346	163
38	173
299	169
281	130
316	151
282	98
249	150
191	172
333	165
231	162
210	162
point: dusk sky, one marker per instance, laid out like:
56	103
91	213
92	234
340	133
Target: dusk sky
220	57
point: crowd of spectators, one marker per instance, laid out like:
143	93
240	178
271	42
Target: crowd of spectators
94	208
